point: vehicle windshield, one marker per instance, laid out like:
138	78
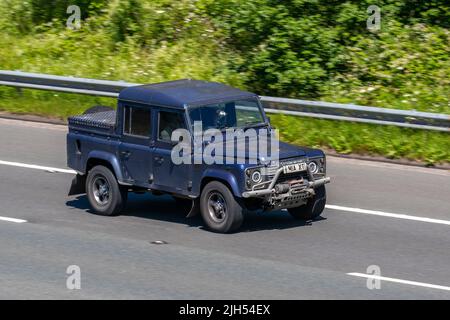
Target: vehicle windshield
233	114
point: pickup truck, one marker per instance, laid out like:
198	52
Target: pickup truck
130	149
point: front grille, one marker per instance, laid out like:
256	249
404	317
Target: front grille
270	171
291	161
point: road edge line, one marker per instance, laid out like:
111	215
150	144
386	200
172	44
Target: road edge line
387	214
395	280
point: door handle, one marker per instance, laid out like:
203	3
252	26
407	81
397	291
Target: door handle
158	159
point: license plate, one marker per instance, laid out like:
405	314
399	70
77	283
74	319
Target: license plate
294	167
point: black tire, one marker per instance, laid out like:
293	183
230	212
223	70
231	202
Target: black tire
105	195
96	109
313	208
219	209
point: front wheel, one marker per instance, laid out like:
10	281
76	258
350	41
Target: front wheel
313	208
220	210
104	193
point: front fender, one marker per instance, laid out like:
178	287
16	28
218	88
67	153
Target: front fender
224	175
108	157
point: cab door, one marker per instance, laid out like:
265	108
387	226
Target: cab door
136	147
169	176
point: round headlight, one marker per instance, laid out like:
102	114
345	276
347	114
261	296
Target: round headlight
313	167
256	176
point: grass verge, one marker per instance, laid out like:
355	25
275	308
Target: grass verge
343	137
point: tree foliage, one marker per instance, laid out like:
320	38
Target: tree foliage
296	48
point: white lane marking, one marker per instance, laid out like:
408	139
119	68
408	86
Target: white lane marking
387	214
12	220
33	166
412	283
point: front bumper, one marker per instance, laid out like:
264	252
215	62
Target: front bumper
299	186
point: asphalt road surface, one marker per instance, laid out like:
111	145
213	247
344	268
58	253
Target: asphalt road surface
391	218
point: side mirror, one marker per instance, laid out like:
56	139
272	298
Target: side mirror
268	119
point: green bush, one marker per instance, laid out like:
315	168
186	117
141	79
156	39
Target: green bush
44	11
309	49
16	16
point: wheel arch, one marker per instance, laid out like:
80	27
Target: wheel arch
227	178
105	159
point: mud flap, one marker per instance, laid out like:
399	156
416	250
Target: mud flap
78	185
319	206
195	209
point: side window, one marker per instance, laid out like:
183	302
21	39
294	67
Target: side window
168	123
137	121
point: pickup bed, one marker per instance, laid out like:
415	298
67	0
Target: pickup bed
138	149
101	121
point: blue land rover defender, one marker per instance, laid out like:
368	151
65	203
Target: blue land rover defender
130	149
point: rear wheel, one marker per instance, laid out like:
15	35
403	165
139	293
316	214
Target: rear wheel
313	208
220	210
105	195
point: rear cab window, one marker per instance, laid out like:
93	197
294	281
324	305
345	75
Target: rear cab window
137	121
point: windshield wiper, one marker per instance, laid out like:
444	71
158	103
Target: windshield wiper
249	125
